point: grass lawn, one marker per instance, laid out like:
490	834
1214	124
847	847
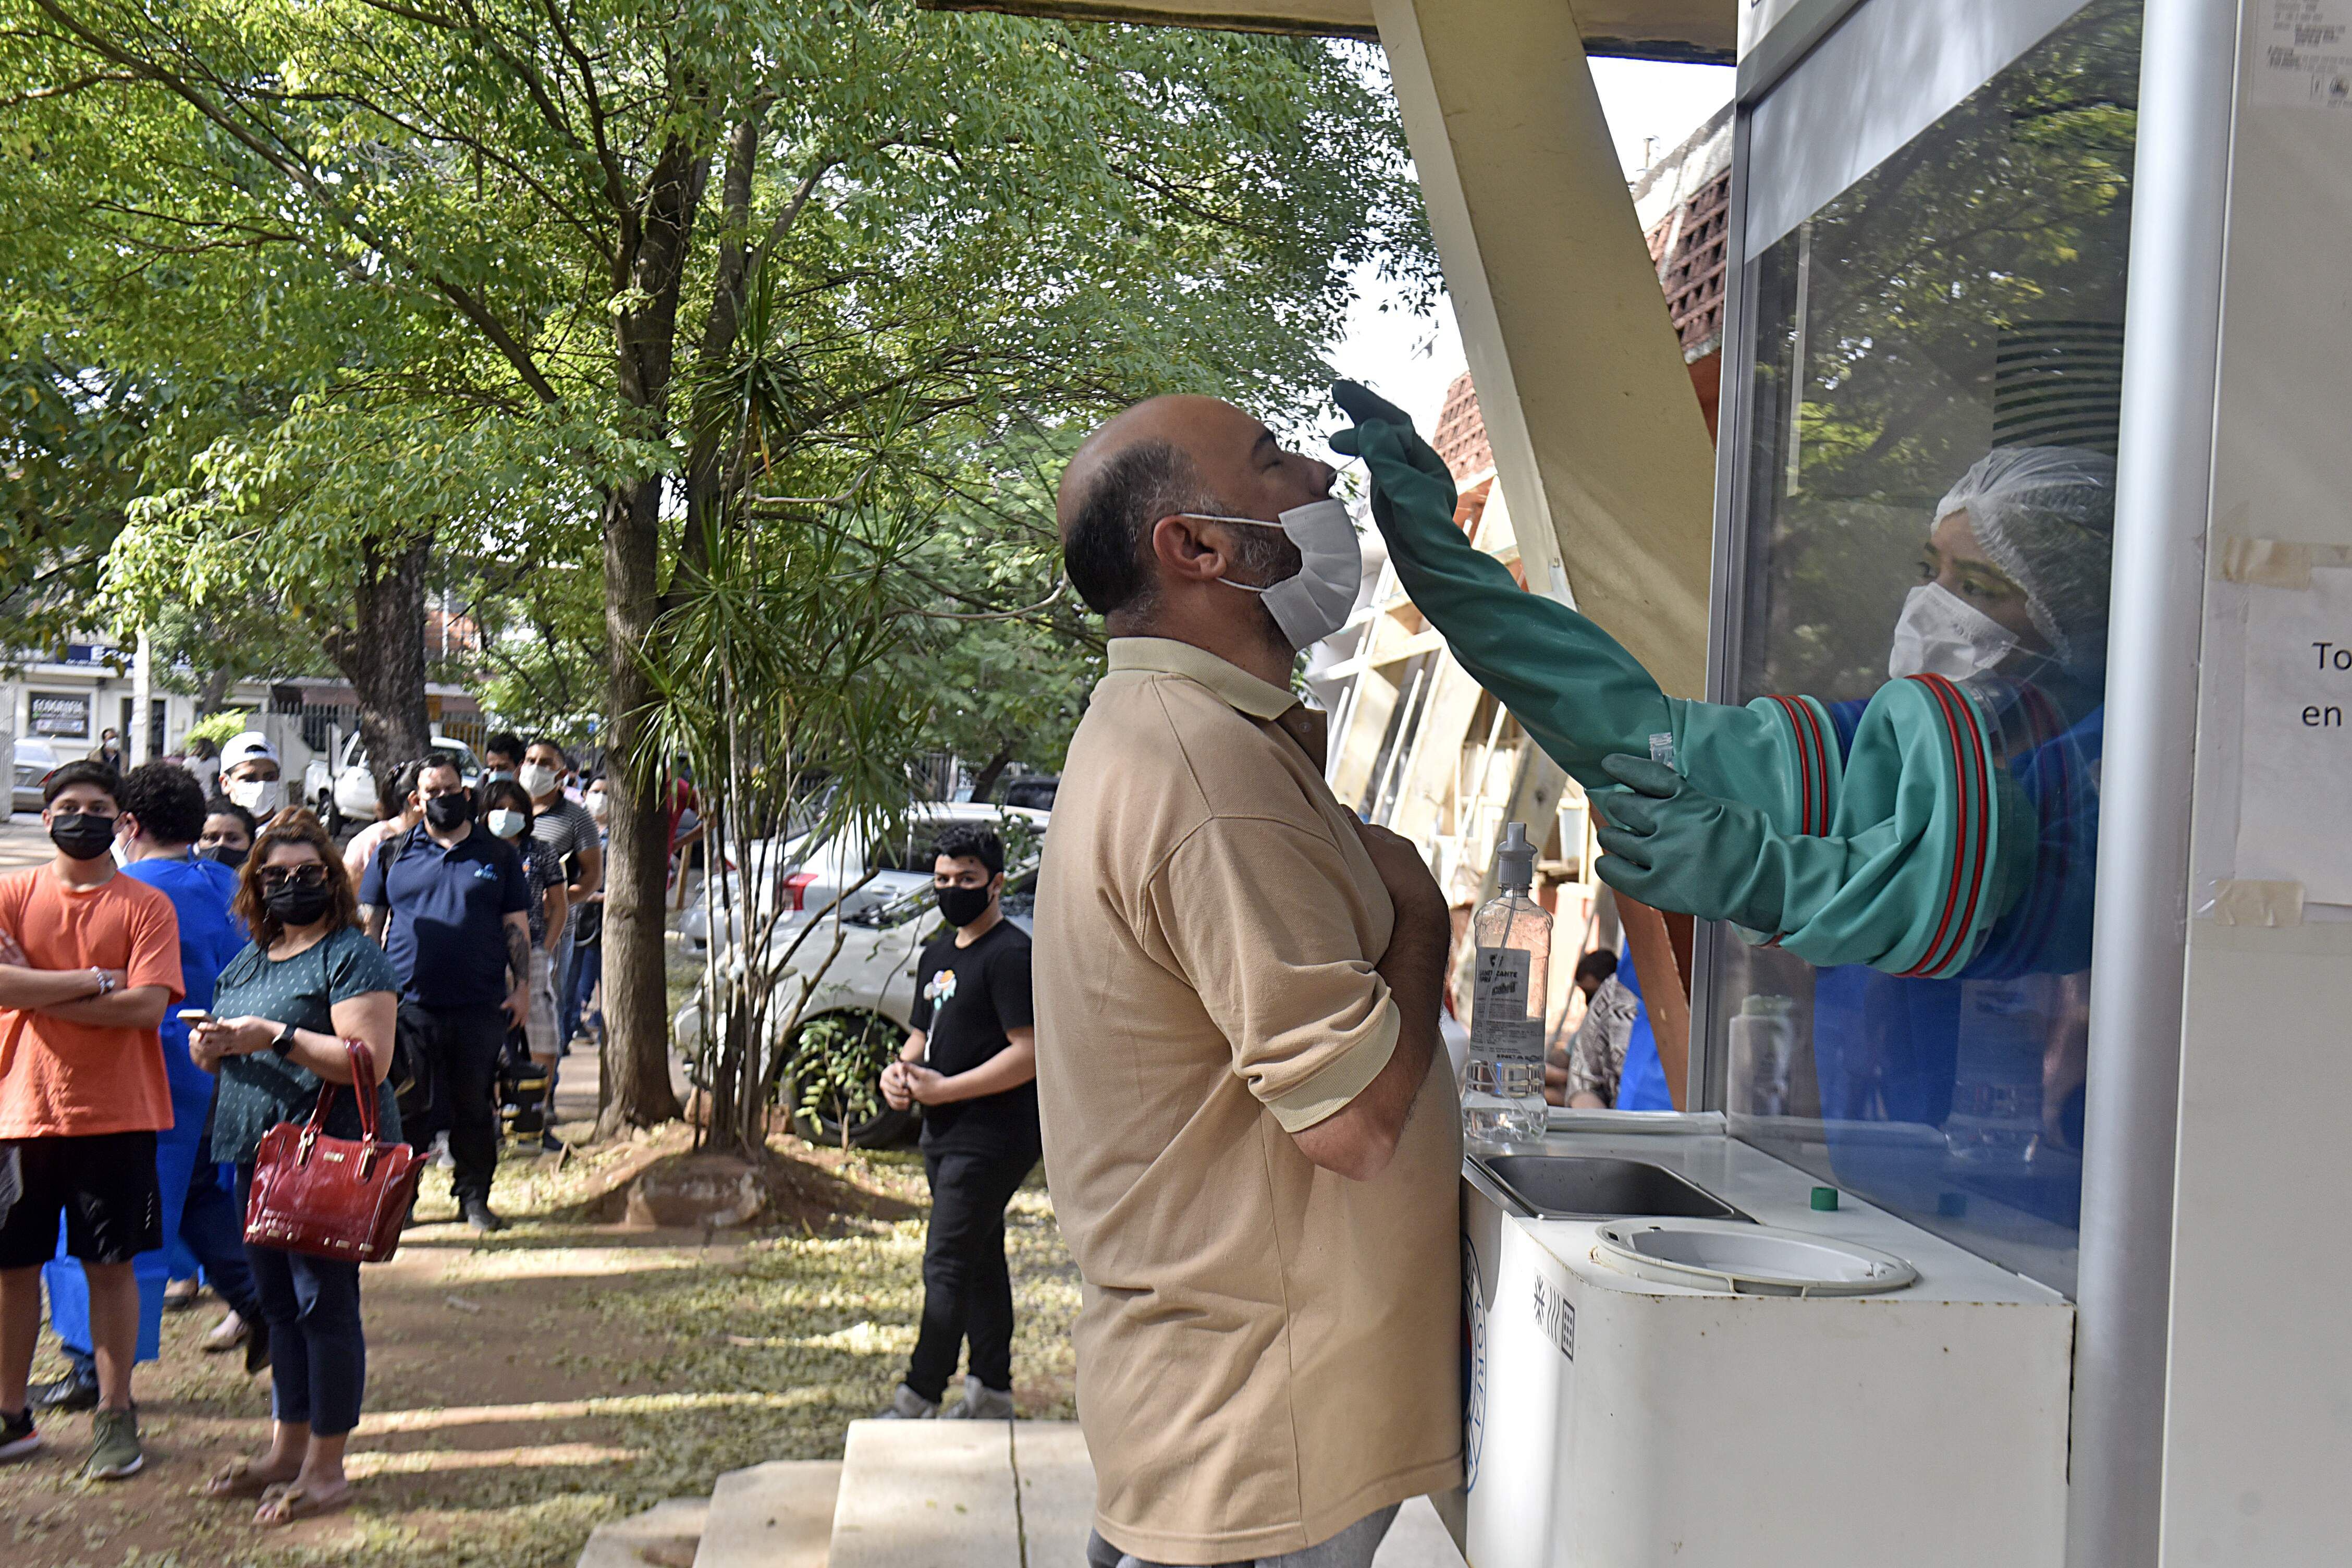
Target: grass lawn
527	1386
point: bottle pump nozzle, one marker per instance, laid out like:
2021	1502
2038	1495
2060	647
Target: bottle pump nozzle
1515	859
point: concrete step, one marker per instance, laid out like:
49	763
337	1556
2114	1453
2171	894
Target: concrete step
1009	1494
663	1536
928	1494
777	1515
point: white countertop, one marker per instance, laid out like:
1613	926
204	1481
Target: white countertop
1768	1191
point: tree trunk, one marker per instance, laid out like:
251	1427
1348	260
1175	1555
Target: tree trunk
637	852
985	779
652	264
382	654
213	695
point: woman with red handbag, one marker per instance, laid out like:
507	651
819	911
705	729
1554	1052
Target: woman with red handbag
299	1015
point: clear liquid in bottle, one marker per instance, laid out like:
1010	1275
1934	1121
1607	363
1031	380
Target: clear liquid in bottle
1501	1090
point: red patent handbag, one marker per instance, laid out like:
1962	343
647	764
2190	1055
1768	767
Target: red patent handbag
332	1197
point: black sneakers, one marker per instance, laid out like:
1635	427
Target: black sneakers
478	1215
17	1437
71	1391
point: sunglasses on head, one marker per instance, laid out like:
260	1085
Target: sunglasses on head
311	876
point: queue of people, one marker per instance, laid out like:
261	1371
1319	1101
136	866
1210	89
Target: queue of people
185	973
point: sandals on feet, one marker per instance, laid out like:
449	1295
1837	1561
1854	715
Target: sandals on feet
283	1504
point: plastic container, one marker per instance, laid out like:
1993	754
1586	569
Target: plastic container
1502	1085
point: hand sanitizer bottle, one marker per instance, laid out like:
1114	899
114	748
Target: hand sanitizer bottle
1502	1092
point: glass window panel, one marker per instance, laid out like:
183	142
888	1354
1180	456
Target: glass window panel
1964	298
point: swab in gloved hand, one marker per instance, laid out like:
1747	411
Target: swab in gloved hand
1673	847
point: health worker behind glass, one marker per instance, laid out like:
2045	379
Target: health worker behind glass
508	818
90	962
1250	1128
308	981
1886	833
161	812
971	1062
251	776
396	813
563	825
451	904
229	832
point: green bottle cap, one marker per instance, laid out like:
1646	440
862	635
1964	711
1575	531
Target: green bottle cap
1826	1199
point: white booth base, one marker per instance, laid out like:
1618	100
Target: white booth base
1618	1422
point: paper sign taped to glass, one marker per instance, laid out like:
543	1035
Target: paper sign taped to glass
2294	804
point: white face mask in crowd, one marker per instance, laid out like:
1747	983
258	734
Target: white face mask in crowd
596	804
259	796
1939	633
508	823
1315	601
537	778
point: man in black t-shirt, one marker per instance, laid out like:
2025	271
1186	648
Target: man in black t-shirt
972	1064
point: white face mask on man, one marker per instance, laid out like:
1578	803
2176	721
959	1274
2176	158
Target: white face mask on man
259	796
1939	633
1315	601
537	778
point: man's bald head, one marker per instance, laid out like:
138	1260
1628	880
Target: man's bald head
1141	465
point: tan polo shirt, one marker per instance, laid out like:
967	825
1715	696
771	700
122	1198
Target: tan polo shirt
1268	1351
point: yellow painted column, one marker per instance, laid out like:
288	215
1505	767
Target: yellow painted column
1580	379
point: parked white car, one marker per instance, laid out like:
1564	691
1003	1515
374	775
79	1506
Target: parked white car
868	989
344	794
36	759
817	871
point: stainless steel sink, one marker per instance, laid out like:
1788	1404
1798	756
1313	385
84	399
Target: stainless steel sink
1599	1186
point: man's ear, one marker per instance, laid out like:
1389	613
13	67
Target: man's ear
1188	550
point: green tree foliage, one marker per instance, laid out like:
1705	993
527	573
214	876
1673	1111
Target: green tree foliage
482	264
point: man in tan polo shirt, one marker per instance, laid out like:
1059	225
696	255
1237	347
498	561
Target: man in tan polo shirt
1250	1130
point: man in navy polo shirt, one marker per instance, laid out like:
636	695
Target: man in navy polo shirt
450	903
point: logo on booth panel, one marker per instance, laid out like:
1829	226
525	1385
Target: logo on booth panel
1473	1365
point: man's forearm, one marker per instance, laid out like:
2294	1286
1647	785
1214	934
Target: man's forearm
519	954
139	1007
1359	1140
373	919
44	989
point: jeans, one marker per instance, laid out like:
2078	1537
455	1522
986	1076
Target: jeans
587	968
967	1290
467	1042
1351	1548
318	1350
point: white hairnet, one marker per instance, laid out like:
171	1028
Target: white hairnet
2046	515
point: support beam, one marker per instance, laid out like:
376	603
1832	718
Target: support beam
1580	379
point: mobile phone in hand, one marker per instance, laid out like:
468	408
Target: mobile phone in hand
192	1017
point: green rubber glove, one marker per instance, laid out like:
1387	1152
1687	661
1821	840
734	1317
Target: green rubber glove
1578	693
1674	848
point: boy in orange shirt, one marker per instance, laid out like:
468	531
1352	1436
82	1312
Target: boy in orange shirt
90	962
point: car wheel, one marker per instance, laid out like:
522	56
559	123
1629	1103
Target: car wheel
833	1074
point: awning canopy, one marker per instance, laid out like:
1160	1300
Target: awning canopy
1704	30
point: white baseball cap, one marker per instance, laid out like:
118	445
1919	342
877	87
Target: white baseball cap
245	748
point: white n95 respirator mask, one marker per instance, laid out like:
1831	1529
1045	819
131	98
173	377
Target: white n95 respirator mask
1315	600
1939	633
259	796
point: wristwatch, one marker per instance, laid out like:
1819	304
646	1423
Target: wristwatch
284	1044
105	981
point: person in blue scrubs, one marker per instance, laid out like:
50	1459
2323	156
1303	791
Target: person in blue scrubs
162	813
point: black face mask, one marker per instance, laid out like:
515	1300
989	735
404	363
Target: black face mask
448	811
228	855
82	834
294	905
961	906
